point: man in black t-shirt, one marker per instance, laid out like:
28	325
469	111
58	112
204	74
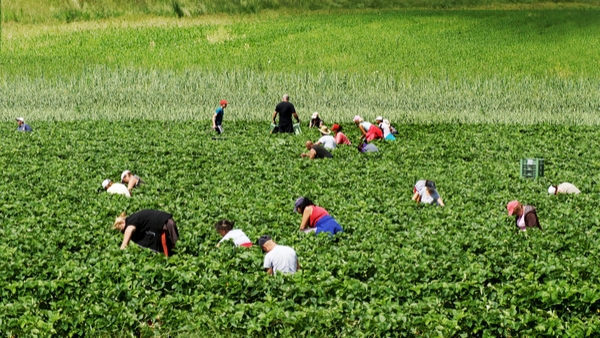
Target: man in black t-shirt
285	110
316	151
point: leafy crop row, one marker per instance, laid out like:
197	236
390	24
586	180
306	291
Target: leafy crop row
398	269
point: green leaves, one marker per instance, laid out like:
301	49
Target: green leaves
397	270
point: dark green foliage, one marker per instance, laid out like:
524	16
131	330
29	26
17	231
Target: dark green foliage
397	270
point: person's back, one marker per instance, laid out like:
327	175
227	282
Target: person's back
281	258
327	141
429	197
239	238
321	152
118	188
340	138
369	148
285	111
567	188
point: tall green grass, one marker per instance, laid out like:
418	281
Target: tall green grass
411	66
35	11
124	94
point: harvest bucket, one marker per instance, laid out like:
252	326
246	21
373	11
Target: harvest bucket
297	129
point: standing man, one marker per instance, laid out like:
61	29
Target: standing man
278	257
217	119
316	151
285	110
22	126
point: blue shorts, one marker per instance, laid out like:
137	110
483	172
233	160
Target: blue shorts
390	137
328	224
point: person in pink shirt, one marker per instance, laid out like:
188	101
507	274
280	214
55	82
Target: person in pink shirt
340	138
315	218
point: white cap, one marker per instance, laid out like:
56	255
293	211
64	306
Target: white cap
125	174
551	190
379	118
20	119
315	115
105	183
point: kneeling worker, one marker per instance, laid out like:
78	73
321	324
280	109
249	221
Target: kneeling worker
278	257
316	151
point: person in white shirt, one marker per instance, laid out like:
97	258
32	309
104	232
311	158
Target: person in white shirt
563	188
278	257
426	192
115	188
326	140
225	228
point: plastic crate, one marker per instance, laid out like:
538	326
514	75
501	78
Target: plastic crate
297	129
532	167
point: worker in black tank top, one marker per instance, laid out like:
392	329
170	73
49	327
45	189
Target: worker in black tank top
316	151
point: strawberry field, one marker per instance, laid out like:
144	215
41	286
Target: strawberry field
397	270
471	92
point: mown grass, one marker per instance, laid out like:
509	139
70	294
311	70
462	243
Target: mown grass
412	66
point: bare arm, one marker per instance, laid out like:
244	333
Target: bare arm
130	229
297	265
214	121
416	197
132	182
274	116
312	154
305	217
270	271
362	130
440	202
296	116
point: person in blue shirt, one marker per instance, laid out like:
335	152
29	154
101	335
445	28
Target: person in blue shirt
22	125
218	117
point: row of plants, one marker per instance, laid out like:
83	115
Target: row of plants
397	269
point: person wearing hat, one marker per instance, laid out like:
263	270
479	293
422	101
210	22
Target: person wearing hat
315	121
278	258
563	188
368	131
152	229
115	188
316	151
326	140
426	192
217	119
340	138
525	215
132	181
384	125
285	110
22	126
315	218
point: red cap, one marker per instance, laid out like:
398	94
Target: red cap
222	102
335	127
510	207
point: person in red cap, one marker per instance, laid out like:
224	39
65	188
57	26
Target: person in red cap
526	216
218	117
340	138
